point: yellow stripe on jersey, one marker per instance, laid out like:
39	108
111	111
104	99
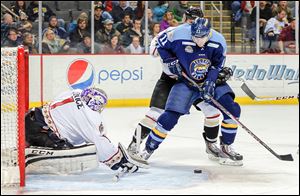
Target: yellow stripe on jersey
160	134
230	126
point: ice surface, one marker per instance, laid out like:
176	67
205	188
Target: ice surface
173	163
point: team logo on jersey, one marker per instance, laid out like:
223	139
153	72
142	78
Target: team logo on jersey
199	68
80	74
189	49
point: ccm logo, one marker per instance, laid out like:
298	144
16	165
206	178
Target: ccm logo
42	152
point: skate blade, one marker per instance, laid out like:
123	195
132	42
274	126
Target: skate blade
213	157
227	161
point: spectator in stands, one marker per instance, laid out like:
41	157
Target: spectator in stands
282	5
235	6
29	43
135	46
167	20
139	11
154	31
125	25
160	10
76	36
174	23
272	31
120	10
59	31
53	45
100	15
265	13
103	36
246	7
114	46
150	19
85	46
108	6
286	40
32	11
179	9
12	39
6	24
19	8
73	24
25	26
136	30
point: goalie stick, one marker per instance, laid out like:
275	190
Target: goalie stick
247	90
287	157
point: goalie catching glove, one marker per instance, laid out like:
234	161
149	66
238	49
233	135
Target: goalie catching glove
122	160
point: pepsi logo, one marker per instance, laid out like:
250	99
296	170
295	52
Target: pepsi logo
80	74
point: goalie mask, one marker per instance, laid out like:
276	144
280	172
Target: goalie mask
94	98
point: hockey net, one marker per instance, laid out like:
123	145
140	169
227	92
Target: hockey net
14	103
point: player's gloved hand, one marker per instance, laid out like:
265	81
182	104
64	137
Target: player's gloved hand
208	90
224	75
174	66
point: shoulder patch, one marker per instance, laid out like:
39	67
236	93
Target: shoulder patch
213	45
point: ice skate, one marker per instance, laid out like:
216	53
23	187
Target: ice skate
212	149
228	156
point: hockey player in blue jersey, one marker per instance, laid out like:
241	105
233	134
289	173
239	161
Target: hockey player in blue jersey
199	52
160	95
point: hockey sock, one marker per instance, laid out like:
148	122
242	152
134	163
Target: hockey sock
229	126
211	127
165	123
211	133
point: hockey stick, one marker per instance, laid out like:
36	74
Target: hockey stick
287	157
247	90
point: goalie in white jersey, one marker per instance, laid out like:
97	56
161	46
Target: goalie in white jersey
74	119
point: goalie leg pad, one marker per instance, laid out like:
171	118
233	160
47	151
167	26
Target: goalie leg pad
41	160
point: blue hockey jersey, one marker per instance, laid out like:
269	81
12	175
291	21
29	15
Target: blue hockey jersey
200	64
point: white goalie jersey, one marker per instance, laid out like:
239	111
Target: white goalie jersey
73	120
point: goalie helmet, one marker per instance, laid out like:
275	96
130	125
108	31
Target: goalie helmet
94	98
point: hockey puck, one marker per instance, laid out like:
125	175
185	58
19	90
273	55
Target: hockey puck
197	171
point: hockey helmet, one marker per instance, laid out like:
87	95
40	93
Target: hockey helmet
94	98
200	27
200	30
194	12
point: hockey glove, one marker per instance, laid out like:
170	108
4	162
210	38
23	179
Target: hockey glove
224	75
208	90
174	66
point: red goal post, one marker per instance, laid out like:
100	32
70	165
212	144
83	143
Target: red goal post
14	104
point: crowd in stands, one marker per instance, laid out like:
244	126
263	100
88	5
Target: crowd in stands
119	26
276	24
